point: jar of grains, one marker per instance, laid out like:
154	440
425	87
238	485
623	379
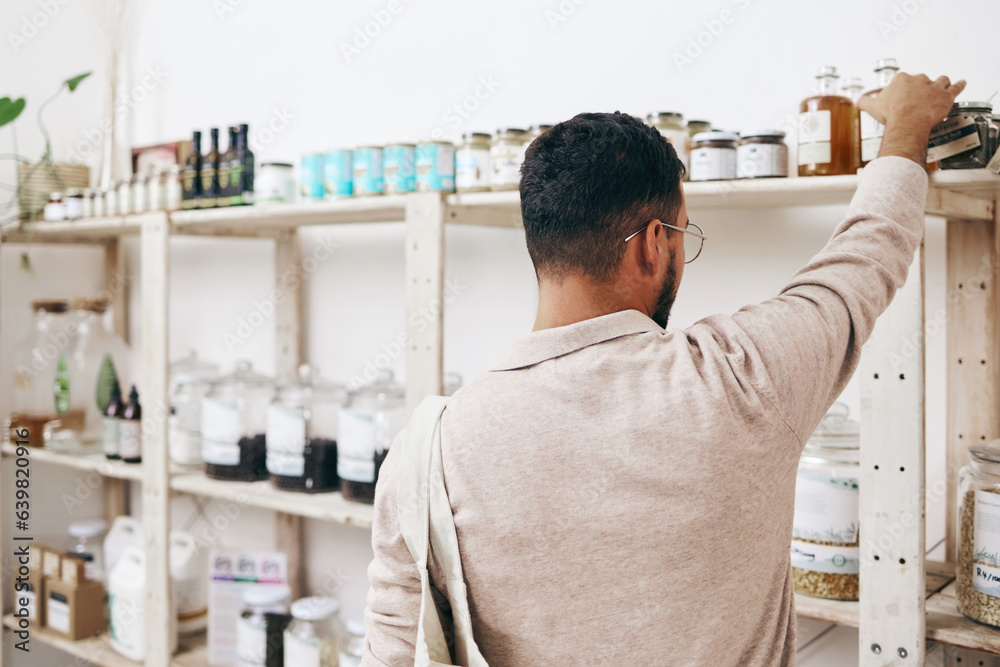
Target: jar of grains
505	157
977	576
825	549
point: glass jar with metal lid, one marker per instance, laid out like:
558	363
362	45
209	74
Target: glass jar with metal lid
252	627
302	427
713	156
313	637
671	126
977	576
697	127
966	116
369	423
233	425
190	382
505	157
762	154
825	548
472	162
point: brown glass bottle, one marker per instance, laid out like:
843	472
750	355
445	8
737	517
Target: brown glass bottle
210	171
191	175
826	130
130	448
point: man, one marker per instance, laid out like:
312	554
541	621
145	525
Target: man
623	495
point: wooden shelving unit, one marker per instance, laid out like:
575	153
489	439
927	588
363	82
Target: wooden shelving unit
918	592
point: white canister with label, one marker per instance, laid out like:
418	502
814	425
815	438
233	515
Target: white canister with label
713	156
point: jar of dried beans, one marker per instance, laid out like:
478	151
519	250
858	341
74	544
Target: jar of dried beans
977	576
825	552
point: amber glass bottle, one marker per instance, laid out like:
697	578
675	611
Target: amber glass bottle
826	130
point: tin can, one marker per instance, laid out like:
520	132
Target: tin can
338	174
435	167
368	176
311	177
400	173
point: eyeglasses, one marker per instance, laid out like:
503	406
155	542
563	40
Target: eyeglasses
693	241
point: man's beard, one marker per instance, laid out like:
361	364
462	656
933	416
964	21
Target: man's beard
668	292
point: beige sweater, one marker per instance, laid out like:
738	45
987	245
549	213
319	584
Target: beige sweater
624	495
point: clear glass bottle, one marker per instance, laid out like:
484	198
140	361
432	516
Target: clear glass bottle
825	548
313	637
826	130
869	137
977	575
190	382
100	357
87	544
374	415
353	648
302	425
233	425
251	628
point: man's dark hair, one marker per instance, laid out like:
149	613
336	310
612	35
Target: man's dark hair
589	182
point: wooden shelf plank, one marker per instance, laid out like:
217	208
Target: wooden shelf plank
191	652
323	506
95	461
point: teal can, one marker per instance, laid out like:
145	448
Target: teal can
311	177
398	163
368	175
338	174
435	167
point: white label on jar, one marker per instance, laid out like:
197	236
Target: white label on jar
29	604
986	544
286	464
713	164
506	162
951	137
761	160
57	615
286	429
472	168
185	446
111	435
186	415
824	558
679	140
251	642
871	136
220	421
826	509
302	652
220	453
131	443
814	137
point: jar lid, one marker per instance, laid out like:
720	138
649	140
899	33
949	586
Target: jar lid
886	63
50	305
716	136
90	528
780	134
973	105
266	595
827	70
73	192
356	626
510	130
245	377
485	136
368	148
400	145
836	431
316	608
192	369
664	115
698	122
310	385
539	129
988	452
383	386
276	164
92	305
55	195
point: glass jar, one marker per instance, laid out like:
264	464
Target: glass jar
472	163
174	193
762	154
713	157
74	204
125	196
313	637
353	648
233	423
157	191
88	203
111	200
55	208
671	126
825	549
87	544
505	158
100	358
965	115
252	626
374	415
140	193
697	127
275	182
302	427
977	575
99	204
190	382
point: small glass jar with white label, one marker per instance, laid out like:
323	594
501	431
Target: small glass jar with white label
505	158
472	163
313	637
762	154
977	575
87	544
713	156
374	416
251	627
825	549
302	425
233	425
190	382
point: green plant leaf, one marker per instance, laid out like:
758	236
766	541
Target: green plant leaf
10	109
26	265
75	81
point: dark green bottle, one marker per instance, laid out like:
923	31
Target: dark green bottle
210	171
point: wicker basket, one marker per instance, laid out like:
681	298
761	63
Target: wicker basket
40	180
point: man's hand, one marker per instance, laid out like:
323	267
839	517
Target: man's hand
909	107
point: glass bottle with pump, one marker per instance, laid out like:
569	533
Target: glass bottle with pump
210	171
826	130
869	138
191	187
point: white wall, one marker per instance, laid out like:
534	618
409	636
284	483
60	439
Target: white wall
261	62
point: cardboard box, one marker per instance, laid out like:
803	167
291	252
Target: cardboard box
29	594
76	611
51	563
